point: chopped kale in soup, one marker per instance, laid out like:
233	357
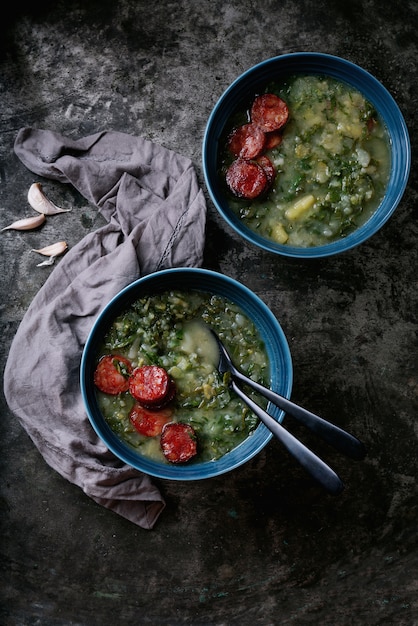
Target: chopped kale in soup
331	164
169	331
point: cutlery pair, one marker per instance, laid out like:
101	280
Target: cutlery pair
337	437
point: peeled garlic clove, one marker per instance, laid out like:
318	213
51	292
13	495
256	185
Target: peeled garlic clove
28	223
38	201
53	250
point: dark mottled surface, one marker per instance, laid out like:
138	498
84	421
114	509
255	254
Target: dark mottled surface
263	545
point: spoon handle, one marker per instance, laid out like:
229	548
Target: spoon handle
309	461
337	437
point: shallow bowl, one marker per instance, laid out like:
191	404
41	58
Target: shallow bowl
187	279
254	81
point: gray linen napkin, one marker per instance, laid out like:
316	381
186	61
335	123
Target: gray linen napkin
156	215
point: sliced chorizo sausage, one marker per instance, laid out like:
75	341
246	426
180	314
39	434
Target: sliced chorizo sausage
150	385
269	112
246	141
246	179
148	422
268	167
112	374
170	395
273	139
178	442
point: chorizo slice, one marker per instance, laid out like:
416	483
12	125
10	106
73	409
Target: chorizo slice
150	385
178	442
273	139
269	112
112	374
171	393
246	179
147	422
246	141
268	168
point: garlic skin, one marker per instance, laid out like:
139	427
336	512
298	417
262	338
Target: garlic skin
53	250
28	223
49	261
39	201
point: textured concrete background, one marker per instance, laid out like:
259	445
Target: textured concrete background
262	545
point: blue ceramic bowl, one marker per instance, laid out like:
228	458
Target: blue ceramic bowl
202	280
254	80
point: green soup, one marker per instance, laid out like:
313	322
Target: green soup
332	166
169	330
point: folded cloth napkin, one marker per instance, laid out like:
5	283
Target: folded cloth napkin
156	215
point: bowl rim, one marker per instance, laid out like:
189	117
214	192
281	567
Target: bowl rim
374	91
242	453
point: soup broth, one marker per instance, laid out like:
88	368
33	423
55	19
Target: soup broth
171	330
331	167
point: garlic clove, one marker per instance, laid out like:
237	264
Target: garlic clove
53	250
39	201
28	223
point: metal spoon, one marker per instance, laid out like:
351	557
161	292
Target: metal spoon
332	434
